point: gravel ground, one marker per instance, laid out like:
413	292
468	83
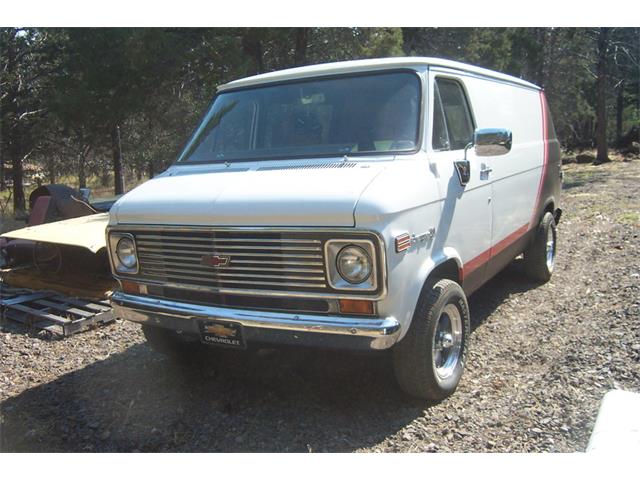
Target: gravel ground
541	358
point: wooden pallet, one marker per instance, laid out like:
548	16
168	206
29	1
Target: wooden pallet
51	311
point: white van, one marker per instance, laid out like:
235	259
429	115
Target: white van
351	205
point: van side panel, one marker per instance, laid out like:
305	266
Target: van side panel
524	181
550	183
548	193
515	176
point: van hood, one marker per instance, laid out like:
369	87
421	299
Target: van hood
305	194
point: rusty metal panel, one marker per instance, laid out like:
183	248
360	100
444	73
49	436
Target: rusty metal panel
87	232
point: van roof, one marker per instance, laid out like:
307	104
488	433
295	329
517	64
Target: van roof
354	66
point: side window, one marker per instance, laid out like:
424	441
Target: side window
440	139
456	113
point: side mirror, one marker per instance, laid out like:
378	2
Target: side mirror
491	142
487	142
463	167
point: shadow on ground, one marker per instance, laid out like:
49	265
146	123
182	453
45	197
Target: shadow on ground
492	294
271	401
581	178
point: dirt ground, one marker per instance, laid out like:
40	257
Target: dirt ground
541	358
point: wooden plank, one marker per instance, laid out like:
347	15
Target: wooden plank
27	320
56	328
85	324
25	298
94	306
9	291
39	313
62	307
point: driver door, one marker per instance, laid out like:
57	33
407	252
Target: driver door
465	222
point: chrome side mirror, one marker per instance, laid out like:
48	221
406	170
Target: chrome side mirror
487	142
491	142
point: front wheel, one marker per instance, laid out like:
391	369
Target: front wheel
429	360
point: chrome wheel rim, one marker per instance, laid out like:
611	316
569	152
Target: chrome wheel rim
551	248
447	342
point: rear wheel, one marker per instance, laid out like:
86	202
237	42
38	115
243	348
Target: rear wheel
540	257
429	360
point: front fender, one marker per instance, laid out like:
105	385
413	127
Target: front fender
408	273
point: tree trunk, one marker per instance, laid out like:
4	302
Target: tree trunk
619	110
82	166
51	169
541	34
18	190
118	171
82	175
3	185
601	104
105	177
300	53
252	45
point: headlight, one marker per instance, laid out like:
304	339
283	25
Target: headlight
354	264
126	252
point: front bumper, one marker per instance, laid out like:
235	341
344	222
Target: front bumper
263	326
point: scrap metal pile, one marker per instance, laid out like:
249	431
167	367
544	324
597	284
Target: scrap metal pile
54	273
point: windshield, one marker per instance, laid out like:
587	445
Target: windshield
375	113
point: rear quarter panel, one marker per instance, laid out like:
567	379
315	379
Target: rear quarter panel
515	176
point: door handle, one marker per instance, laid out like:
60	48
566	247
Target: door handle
484	170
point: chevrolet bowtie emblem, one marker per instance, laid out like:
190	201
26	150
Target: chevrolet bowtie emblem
214	261
220	331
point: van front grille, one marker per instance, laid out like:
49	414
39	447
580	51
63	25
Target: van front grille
245	260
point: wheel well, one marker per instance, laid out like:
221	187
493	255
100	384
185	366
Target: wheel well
448	269
549	208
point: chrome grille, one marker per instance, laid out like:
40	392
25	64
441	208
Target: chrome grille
257	260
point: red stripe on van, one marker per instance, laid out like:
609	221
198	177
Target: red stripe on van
510	239
545	138
485	256
475	263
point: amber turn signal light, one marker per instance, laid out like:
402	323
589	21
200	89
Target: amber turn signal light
133	287
362	307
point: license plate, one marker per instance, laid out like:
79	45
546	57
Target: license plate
222	334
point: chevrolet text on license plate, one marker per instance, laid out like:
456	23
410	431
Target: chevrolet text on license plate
224	334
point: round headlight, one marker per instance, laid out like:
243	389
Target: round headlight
126	252
354	264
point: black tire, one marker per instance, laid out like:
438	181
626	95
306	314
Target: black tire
537	265
415	356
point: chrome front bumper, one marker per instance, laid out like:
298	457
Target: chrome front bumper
262	326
